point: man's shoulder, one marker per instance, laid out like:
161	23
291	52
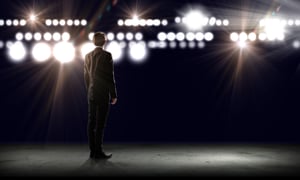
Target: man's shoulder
106	53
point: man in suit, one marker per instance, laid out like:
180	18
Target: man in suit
101	89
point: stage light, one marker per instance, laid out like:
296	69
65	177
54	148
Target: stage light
162	44
296	44
91	36
48	22
23	22
62	22
129	36
171	36
32	17
156	22
120	36
204	21
201	45
280	37
291	22
37	36
123	44
28	36
139	36
283	23
65	36
243	36
70	22
87	48
19	36
193	20
162	36
138	52
262	36
172	45
1	44
226	22
208	36
262	23
116	50
242	44
15	22
182	45
47	36
212	21
234	36
9	44
274	29
120	22
149	22
1	22
8	22
252	36
55	22
180	36
152	44
76	22
192	45
142	22
56	36
64	52
177	20
17	52
297	22
218	22
190	36
199	36
164	22
41	52
110	36
128	22
83	22
135	20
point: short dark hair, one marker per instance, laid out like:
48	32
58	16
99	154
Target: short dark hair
99	39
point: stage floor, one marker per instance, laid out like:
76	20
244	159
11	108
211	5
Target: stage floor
152	160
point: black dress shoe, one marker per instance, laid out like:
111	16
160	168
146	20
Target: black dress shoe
102	156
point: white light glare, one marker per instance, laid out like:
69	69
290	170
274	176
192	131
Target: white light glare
17	52
48	22
64	52
120	36
116	50
296	44
252	36
19	36
208	36
41	52
138	52
47	36
56	36
162	36
65	36
28	36
91	36
242	44
37	36
15	22
110	36
180	36
243	36
234	36
32	18
138	36
193	20
87	48
171	36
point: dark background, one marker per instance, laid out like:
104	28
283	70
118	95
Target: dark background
199	95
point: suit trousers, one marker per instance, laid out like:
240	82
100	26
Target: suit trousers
98	114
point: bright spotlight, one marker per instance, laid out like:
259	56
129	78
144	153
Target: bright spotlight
138	52
252	36
62	22
1	44
291	22
193	20
212	21
149	22
225	22
242	44
218	22
129	36
171	36
120	36
190	36
274	29
199	36
55	22
37	36
208	36
110	36
120	22
164	22
243	36
297	22
162	36
128	22
19	36
296	44
64	52
91	36
87	48
135	20
32	18
180	36
182	45
116	50
156	22
172	45
142	22
262	36
192	45
234	36
201	45
162	44
8	22
65	36
152	44
70	22
28	36
48	22
15	22
56	36
1	22
83	22
139	36
76	22
47	36
41	52
23	22
17	52
177	20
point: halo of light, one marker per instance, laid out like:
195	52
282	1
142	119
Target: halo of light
2	22
199	36
164	22
243	36
138	52
291	22
23	22
252	36
86	48
110	36
193	20
116	50
208	36
28	36
218	22
180	36
65	36
37	36
212	21
177	20
135	21
139	36
242	44
192	45
173	45
120	36
123	44
56	36
41	52
17	52
161	36
76	22
171	36
296	44
225	22
19	36
204	21
128	22
149	22
1	44
234	36
32	17
162	44
182	44
152	44
262	36
142	22
280	37
8	44
48	22
8	22
47	36
55	22
120	22
83	22
190	36
15	22
274	28
262	22
129	36
62	22
70	22
297	22
156	22
91	36
64	52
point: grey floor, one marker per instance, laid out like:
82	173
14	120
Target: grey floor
152	160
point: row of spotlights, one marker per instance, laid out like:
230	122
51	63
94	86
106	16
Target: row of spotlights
120	36
15	22
282	22
180	36
46	36
63	22
142	22
173	44
253	37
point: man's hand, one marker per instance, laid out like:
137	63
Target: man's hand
114	101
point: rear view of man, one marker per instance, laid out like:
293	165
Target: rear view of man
101	89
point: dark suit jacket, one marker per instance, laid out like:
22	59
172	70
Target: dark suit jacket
99	76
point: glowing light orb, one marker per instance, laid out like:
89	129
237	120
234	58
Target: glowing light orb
110	36
8	22
129	36
62	22
274	29
48	22
208	36
243	36
162	36
193	20
56	36
32	17
164	22
76	22
19	36
120	22
70	22
262	36
17	52
87	48
65	36
242	44
116	50
47	36
226	22
171	36
83	22
23	22
190	36
296	44
252	36
1	22
37	36
139	36
91	36
15	22
64	52
28	36
55	22
138	52
120	36
234	36
199	36
180	36
41	52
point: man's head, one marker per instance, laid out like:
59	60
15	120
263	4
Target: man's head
99	39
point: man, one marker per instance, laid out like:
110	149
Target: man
101	89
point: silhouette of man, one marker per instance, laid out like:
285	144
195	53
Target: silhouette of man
101	90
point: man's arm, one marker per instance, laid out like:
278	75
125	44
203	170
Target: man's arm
86	73
112	82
